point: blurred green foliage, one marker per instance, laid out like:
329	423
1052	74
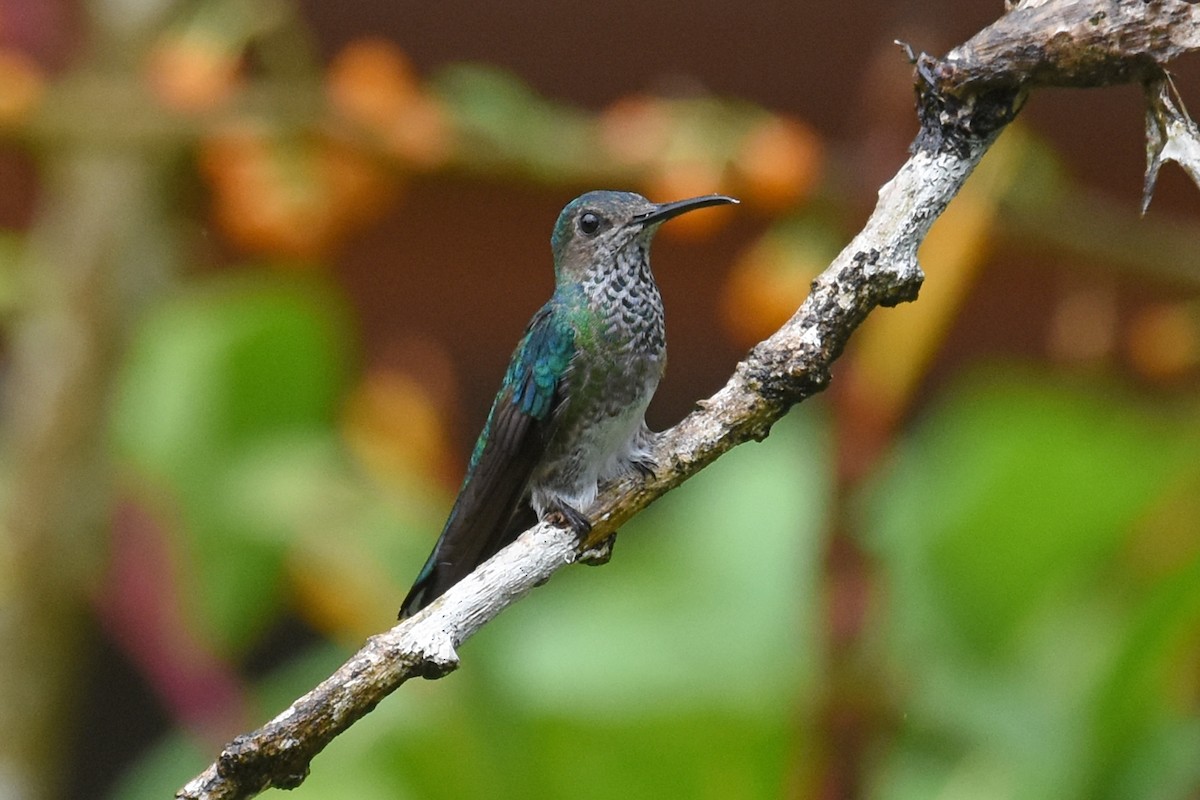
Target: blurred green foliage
214	378
1030	654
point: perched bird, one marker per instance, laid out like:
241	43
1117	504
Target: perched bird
571	410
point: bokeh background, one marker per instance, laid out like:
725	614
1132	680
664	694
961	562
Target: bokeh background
262	264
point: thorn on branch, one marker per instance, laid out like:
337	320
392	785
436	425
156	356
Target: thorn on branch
1171	135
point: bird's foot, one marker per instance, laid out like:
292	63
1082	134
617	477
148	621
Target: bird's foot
564	516
600	554
644	466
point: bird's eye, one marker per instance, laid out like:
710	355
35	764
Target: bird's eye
589	223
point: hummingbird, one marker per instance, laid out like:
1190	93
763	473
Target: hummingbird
570	413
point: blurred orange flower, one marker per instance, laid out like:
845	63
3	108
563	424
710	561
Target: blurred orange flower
21	85
295	197
1164	341
396	426
769	282
779	163
193	73
372	83
635	130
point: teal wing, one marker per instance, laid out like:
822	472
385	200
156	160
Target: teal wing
520	423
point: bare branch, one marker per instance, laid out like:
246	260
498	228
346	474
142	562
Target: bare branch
1079	43
964	101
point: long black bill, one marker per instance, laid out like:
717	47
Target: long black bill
664	211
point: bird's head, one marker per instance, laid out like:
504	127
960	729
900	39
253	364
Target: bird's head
596	227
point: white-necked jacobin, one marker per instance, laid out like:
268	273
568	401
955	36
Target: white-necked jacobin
570	413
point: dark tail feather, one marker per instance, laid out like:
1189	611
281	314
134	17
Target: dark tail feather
419	595
438	575
488	506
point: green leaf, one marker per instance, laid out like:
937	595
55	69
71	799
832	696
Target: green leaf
1010	491
1133	705
1027	662
214	377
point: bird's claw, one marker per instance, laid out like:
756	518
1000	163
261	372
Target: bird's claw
644	467
564	516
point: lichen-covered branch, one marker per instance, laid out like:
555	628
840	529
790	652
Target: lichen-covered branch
964	101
